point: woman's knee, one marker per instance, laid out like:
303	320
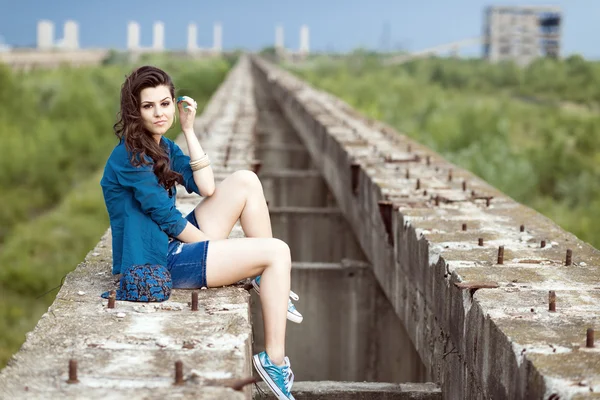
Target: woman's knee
247	179
280	251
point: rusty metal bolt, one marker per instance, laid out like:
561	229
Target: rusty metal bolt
543	244
589	339
522	228
112	296
256	166
569	257
195	300
428	160
480	241
464	227
450	175
418	184
501	255
73	372
407	175
552	301
464	186
355	171
178	373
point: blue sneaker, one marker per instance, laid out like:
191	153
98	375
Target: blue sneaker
278	379
292	314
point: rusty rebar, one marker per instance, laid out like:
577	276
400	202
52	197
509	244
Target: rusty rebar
522	228
195	300
480	241
407	175
112	297
487	201
256	166
437	200
178	372
569	257
464	186
354	171
589	338
450	175
464	227
501	255
428	160
552	301
73	371
418	185
543	244
238	384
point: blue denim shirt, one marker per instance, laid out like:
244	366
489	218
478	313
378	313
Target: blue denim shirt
142	212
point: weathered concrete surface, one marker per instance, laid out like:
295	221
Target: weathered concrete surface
129	352
352	332
471	344
330	390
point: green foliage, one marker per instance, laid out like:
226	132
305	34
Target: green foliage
56	132
545	155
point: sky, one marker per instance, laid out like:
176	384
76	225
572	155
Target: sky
335	25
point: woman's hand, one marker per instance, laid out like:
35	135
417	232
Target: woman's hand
187	113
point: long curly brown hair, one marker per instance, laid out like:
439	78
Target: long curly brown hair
129	126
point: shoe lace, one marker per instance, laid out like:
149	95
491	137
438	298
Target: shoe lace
288	375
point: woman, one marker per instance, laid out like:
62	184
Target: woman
139	190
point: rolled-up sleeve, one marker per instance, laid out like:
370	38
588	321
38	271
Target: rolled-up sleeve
152	197
181	164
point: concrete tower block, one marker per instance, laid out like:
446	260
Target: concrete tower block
279	38
158	36
217	37
192	44
133	36
71	35
304	40
45	35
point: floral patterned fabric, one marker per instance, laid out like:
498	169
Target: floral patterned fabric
144	283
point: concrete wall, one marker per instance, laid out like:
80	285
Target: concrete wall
499	342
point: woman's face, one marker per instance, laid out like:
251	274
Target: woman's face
157	110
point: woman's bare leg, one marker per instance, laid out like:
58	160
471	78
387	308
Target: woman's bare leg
239	196
230	260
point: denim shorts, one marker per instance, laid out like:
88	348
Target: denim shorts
187	261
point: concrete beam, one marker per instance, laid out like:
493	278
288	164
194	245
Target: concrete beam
286	156
430	269
301	188
361	391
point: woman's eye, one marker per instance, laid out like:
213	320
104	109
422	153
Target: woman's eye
166	104
147	105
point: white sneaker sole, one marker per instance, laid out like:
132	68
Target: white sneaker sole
265	377
291	316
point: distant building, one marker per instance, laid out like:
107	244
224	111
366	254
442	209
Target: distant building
521	33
